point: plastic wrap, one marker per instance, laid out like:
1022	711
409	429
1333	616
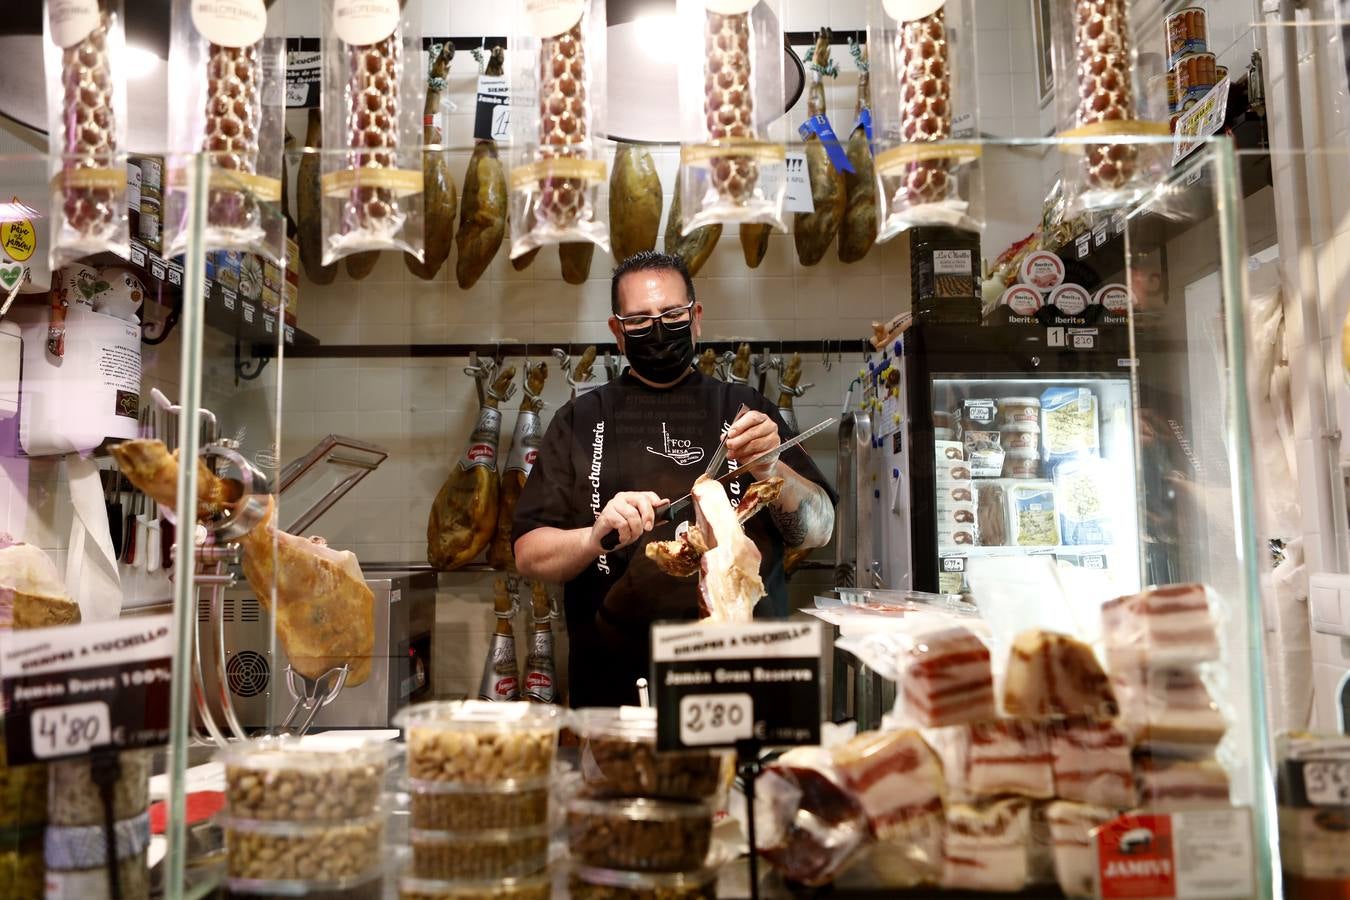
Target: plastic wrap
1075	853
227	93
988	848
1052	675
940	665
1091	762
639	834
619	759
83	52
557	122
1102	92
1160	628
810	825
923	75
896	778
731	171
373	90
1168	711
1009	756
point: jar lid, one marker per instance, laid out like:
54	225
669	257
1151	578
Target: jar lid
495	887
292	753
480	715
634	723
642	809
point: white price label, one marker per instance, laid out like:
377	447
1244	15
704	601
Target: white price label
1327	782
797	198
708	719
70	730
501	123
1083	341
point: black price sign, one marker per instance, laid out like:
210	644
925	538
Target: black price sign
714	685
71	690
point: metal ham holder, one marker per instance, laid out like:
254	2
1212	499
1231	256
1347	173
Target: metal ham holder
218	553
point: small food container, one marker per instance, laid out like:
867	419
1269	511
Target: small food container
367	888
473	742
74	799
535	887
479	855
285	780
76	859
1024	463
333	853
1021	438
639	835
1019	411
451	806
590	883
619	759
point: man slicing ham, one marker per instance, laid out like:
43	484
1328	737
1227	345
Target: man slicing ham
614	458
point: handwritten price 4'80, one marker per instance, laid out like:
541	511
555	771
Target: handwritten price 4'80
70	730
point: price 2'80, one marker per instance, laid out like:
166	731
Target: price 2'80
70	730
711	719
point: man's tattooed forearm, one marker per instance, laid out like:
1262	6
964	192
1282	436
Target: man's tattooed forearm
798	526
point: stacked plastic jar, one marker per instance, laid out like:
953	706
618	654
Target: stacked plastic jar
78	846
478	789
641	826
304	820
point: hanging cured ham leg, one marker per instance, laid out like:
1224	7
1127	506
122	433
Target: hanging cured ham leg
325	613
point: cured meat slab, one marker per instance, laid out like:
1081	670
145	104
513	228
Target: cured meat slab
1091	763
1169	711
1009	757
1052	675
1074	853
948	679
1163	627
897	779
988	847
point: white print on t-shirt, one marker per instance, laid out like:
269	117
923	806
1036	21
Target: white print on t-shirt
735	487
597	460
680	452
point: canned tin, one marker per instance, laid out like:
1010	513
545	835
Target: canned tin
1220	73
1196	73
1187	32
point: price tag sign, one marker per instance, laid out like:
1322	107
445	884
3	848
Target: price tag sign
492	110
714	685
1083	245
1200	121
1327	782
77	688
302	79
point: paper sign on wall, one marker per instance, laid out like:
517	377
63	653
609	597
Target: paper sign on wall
797	198
492	111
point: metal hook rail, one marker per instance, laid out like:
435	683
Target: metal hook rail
829	348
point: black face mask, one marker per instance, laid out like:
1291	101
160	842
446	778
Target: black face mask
660	355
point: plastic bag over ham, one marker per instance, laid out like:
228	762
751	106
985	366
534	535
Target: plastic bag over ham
32	594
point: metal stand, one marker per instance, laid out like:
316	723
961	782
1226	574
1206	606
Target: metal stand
748	767
311	695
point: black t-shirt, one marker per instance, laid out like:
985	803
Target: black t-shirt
626	436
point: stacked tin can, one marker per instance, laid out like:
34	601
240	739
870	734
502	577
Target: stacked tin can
1192	70
304	820
478	794
641	826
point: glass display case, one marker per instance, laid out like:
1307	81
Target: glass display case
1158	491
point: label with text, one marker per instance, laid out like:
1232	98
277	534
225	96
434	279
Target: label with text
1158	856
715	685
70	690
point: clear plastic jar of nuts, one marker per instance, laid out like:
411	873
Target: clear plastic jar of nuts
639	834
479	855
535	887
471	742
278	780
453	806
619	759
333	853
589	883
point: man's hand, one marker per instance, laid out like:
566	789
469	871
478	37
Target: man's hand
749	436
630	513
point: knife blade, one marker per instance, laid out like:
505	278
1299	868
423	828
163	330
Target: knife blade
677	507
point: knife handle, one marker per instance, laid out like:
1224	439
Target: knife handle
610	541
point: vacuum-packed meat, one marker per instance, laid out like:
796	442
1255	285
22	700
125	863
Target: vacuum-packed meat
858	230
309	205
88	141
1105	92
728	102
694	248
924	67
563	125
482	211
